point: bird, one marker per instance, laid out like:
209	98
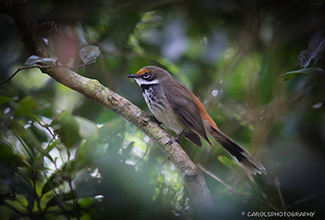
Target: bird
176	107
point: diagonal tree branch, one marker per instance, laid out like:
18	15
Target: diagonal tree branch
92	89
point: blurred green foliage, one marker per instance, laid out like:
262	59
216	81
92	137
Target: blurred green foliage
65	157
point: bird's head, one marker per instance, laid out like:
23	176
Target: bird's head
150	75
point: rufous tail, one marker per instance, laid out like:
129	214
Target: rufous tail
240	154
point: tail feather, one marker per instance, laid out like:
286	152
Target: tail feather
249	162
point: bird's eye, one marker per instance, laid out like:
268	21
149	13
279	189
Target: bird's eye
146	75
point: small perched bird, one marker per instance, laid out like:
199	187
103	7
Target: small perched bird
180	110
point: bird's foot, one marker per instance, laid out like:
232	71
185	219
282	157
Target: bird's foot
153	118
175	139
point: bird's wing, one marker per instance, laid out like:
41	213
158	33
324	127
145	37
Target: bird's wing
184	105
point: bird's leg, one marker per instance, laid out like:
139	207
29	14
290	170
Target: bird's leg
153	118
175	139
178	136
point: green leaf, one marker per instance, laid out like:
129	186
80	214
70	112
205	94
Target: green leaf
4	100
227	161
52	145
86	127
67	128
8	157
21	186
47	150
110	129
26	106
96	145
307	72
86	202
6	153
40	133
52	182
19	161
29	138
89	53
58	199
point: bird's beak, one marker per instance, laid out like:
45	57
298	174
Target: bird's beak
133	76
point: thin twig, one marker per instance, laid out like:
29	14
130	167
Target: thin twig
81	65
277	185
44	126
37	197
58	197
45	67
18	70
262	192
75	201
214	176
145	153
24	145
